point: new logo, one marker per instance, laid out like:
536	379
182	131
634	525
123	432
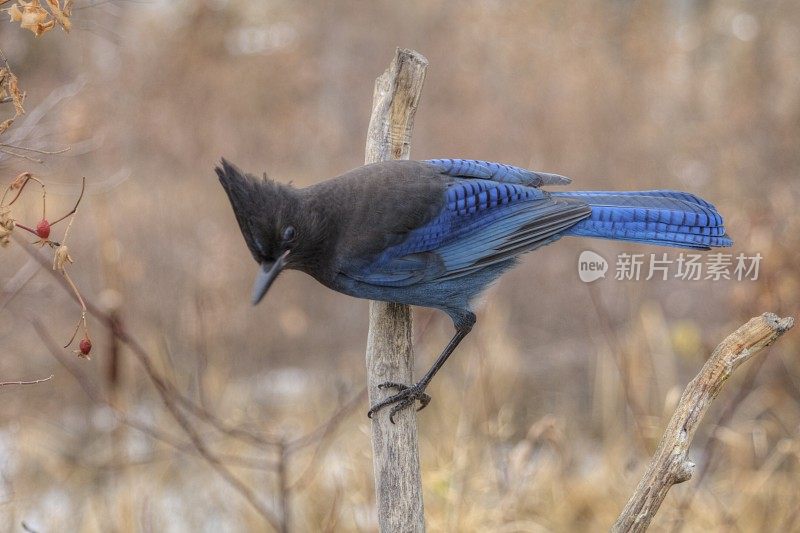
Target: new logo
591	266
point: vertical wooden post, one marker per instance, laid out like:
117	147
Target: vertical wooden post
390	357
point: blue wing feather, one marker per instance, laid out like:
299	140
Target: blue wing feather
492	212
482	222
666	218
487	170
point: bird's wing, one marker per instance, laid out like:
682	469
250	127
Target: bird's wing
482	222
475	168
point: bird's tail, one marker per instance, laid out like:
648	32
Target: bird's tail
666	218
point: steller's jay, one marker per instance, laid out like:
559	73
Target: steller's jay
436	233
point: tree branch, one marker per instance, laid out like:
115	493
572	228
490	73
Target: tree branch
33	382
390	357
670	464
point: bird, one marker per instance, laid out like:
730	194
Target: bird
437	233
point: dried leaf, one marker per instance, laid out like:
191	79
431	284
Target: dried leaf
5	125
61	15
61	258
15	13
9	87
17	96
31	16
20	180
6	226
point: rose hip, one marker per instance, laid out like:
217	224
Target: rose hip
43	229
85	346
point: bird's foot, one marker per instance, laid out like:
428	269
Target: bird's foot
406	397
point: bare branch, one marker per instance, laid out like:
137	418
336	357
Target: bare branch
88	386
34	382
34	150
175	401
670	463
166	391
77	203
94	394
322	435
326	427
32	159
215	462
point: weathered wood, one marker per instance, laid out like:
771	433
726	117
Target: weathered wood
670	464
390	357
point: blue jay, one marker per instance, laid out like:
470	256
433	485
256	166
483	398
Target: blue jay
436	233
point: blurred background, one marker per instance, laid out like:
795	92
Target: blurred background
545	417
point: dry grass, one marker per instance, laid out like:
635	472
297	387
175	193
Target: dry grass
544	418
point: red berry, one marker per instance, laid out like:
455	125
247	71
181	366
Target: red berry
85	346
43	229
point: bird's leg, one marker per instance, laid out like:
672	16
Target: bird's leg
408	394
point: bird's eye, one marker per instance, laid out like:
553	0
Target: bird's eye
288	234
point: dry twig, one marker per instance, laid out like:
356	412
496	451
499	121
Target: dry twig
174	401
34	382
197	441
670	463
96	396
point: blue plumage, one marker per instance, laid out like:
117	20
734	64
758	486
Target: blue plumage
436	233
480	221
667	218
476	168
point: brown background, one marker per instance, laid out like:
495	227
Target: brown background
530	428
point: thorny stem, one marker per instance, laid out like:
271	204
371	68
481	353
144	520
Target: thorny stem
78	327
20	182
23	226
62	268
69	226
29	177
83	308
74	209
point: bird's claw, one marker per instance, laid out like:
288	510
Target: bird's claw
405	397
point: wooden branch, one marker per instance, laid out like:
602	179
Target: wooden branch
398	485
670	464
32	382
170	396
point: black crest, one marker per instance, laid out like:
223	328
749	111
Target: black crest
260	206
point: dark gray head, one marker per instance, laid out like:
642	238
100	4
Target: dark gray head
271	220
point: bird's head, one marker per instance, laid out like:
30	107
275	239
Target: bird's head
267	215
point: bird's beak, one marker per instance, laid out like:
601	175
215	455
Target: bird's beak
267	274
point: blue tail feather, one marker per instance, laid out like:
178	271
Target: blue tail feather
666	218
